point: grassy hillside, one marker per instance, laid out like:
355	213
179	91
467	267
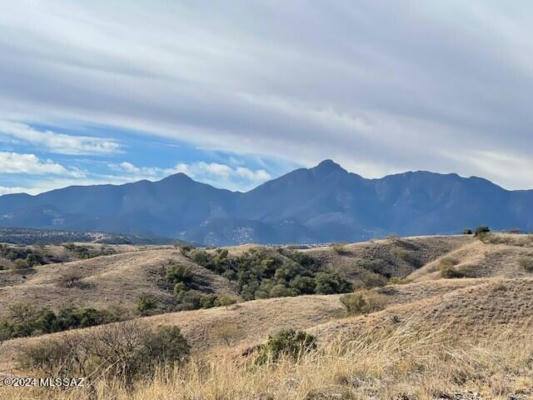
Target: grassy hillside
433	334
94	275
116	280
506	255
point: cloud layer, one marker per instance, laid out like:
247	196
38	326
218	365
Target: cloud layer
58	142
379	87
216	174
14	163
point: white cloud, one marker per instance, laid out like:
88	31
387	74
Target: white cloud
508	170
150	172
259	175
30	164
58	142
216	174
378	88
13	189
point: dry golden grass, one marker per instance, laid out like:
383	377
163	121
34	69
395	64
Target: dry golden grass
480	310
497	255
401	364
118	280
468	339
395	256
115	280
257	319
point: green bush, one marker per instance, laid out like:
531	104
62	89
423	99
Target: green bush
191	300
376	265
280	290
226	300
286	343
34	259
263	273
179	287
19	264
147	305
167	345
208	300
179	273
450	272
23	319
363	302
304	284
330	283
467	231
481	231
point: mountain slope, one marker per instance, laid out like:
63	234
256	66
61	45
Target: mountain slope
321	204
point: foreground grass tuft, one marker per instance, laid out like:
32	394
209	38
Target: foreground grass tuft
387	365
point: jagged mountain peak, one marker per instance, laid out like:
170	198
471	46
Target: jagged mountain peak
324	203
328	166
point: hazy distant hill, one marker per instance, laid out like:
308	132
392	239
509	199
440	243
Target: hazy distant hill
321	204
36	236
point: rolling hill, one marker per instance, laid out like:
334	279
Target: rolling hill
435	337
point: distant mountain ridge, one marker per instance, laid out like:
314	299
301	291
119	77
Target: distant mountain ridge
321	204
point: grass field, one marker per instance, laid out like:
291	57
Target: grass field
466	337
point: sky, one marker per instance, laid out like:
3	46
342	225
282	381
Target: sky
234	93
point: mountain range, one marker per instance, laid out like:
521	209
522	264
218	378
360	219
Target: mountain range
321	204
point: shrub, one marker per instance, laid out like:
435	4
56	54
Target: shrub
340	249
363	302
179	287
481	231
19	264
227	332
450	272
185	248
201	257
207	300
24	319
286	343
190	299
82	252
72	280
330	283
303	259
179	273
226	300
73	317
167	345
264	273
146	304
376	265
281	291
303	284
526	263
126	351
34	259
